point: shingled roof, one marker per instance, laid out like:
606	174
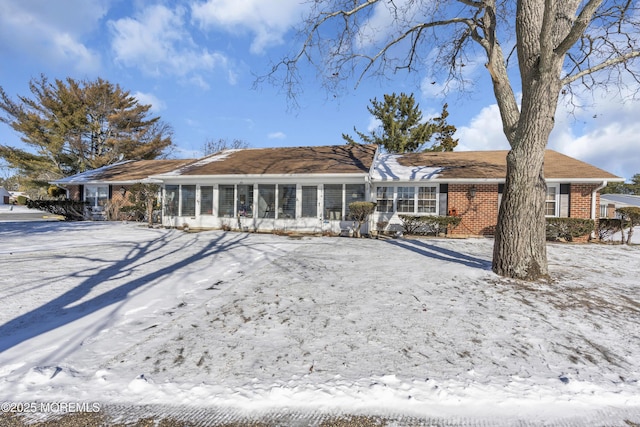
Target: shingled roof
336	159
124	172
473	165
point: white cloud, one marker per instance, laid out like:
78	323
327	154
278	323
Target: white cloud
484	132
51	33
277	135
606	136
157	42
150	99
268	21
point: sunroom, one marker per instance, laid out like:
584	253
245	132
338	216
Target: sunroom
306	189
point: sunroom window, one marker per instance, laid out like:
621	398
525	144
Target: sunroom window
188	200
286	201
333	201
267	201
245	200
225	201
206	200
309	201
171	198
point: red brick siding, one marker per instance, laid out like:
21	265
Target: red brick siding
479	214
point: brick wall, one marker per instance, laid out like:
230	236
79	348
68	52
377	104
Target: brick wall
479	214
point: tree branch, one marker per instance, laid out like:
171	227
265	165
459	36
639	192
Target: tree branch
611	62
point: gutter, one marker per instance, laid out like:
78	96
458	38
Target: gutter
593	203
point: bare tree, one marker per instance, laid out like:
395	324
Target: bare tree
212	146
556	43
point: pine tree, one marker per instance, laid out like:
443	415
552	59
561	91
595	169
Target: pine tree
75	126
402	128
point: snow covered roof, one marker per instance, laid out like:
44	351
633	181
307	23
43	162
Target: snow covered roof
620	199
335	159
476	165
123	172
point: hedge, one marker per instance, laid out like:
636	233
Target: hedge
427	224
567	229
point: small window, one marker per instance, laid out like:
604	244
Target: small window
406	199
551	202
426	199
384	199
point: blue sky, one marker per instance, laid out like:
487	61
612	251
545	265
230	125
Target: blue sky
196	62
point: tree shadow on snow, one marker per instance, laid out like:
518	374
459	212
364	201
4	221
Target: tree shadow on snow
64	309
441	254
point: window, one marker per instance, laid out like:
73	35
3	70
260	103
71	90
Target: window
245	200
333	201
188	199
426	199
384	199
354	193
171	200
96	196
551	202
406	199
267	201
286	201
225	201
206	200
309	201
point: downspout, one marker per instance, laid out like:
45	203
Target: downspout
593	204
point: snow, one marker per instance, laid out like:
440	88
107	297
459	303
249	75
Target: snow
124	314
387	168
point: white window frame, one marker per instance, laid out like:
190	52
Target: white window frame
556	201
96	189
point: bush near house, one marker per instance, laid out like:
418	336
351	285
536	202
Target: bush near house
630	218
428	225
359	212
71	210
568	229
607	227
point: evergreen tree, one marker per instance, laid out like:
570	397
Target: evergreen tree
75	126
402	128
632	187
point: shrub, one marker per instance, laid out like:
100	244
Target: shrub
428	225
71	210
630	218
22	200
568	229
607	227
359	212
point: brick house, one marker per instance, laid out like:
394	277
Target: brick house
110	184
469	184
308	189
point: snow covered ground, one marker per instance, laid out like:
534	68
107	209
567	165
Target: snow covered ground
123	314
